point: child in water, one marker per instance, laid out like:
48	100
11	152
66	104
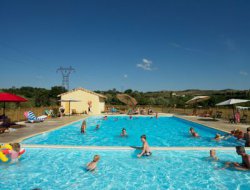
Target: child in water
92	165
83	127
124	133
213	155
14	153
97	127
193	133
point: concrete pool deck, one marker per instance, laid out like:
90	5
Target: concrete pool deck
51	124
36	128
218	124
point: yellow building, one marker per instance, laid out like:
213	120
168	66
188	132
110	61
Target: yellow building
80	100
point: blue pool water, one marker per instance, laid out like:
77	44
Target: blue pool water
53	169
164	131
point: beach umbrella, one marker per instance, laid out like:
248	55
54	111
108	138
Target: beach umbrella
69	101
126	99
197	99
7	97
232	102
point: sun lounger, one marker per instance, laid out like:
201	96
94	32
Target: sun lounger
32	118
218	115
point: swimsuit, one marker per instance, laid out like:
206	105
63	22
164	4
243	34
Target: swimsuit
147	154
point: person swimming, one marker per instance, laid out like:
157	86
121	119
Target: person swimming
145	147
124	133
213	155
92	165
97	127
14	153
83	127
193	133
219	137
245	165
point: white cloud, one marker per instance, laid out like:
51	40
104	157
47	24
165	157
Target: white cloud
145	65
125	76
244	73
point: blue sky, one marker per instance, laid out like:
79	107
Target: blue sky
138	44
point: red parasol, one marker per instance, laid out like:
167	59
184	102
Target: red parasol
7	97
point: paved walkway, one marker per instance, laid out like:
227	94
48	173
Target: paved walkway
219	124
35	128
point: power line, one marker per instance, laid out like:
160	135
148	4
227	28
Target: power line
65	75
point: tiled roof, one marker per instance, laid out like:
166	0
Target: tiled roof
83	89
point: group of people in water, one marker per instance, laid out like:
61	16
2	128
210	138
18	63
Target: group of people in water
235	133
145	149
240	150
245	165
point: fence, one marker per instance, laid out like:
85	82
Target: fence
226	112
18	114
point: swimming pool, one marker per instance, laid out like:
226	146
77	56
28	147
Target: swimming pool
51	169
164	131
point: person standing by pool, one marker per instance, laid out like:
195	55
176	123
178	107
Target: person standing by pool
247	137
83	127
193	133
92	165
61	111
145	147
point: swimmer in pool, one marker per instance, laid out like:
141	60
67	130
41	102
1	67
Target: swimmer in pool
145	147
218	137
83	127
124	133
193	133
213	155
92	165
97	127
245	165
14	153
